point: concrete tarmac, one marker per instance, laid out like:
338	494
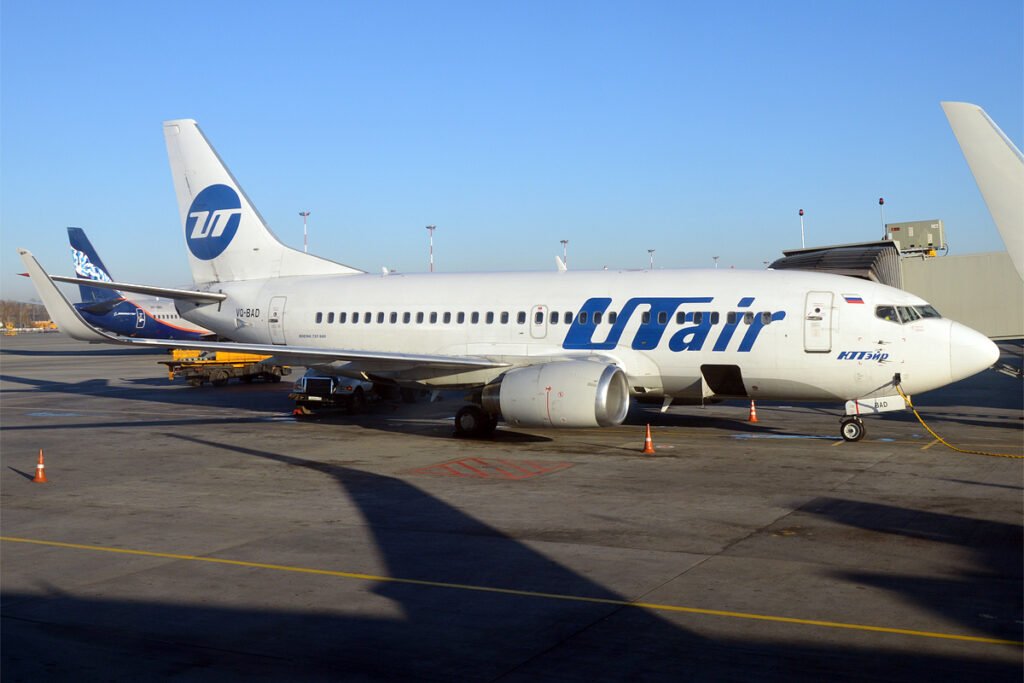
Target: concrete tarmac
205	534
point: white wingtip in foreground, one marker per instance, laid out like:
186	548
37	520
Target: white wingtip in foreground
998	168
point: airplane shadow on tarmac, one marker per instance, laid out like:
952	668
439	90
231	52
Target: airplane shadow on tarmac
439	634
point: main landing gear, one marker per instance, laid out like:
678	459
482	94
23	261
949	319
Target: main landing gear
852	428
474	422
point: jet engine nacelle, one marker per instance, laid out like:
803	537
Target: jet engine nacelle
576	393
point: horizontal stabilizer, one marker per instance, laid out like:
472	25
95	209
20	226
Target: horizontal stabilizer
149	290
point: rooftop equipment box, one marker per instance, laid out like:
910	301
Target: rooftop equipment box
917	235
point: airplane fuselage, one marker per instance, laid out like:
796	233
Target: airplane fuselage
684	334
149	318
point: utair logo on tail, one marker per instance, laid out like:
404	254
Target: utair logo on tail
212	221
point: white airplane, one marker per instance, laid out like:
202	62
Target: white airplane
555	349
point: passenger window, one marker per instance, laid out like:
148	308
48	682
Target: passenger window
597	317
662	318
680	318
407	317
730	318
489	319
645	317
538	317
319	318
460	318
521	317
474	317
714	317
766	318
330	318
887	313
583	317
568	317
748	317
419	318
504	317
433	317
380	318
394	317
554	317
355	318
342	317
447	318
612	317
698	317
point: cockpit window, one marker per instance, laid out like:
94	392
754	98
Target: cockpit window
887	313
908	314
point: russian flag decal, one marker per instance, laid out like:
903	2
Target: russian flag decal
853	298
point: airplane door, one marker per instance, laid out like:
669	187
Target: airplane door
818	322
275	318
539	322
140	318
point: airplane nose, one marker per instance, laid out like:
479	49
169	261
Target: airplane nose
970	352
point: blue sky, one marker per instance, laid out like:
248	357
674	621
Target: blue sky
695	130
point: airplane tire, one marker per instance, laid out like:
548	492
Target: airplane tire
852	429
473	422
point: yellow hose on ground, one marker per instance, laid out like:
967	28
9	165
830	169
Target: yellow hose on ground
945	443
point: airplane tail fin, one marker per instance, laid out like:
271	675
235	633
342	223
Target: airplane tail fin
998	168
227	239
89	266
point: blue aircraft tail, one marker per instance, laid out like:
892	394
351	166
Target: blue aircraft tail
89	266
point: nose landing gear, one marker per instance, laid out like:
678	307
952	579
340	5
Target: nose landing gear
852	428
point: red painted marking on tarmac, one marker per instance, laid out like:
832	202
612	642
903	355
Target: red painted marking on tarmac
483	468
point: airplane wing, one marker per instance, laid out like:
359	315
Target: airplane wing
72	324
166	292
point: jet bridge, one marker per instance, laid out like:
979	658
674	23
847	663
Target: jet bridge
875	261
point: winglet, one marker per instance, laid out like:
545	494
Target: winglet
61	312
998	168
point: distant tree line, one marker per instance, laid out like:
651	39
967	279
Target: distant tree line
20	314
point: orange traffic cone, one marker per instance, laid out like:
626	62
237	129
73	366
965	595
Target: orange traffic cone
648	444
753	413
40	477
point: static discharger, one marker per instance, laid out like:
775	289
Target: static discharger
40	477
648	443
753	413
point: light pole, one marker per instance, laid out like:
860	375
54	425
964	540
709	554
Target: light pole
716	261
802	245
881	209
651	252
565	254
305	235
431	229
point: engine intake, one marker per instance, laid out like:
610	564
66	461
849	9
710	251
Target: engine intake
560	394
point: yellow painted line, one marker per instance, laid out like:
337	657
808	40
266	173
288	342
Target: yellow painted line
521	593
838	443
934	441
